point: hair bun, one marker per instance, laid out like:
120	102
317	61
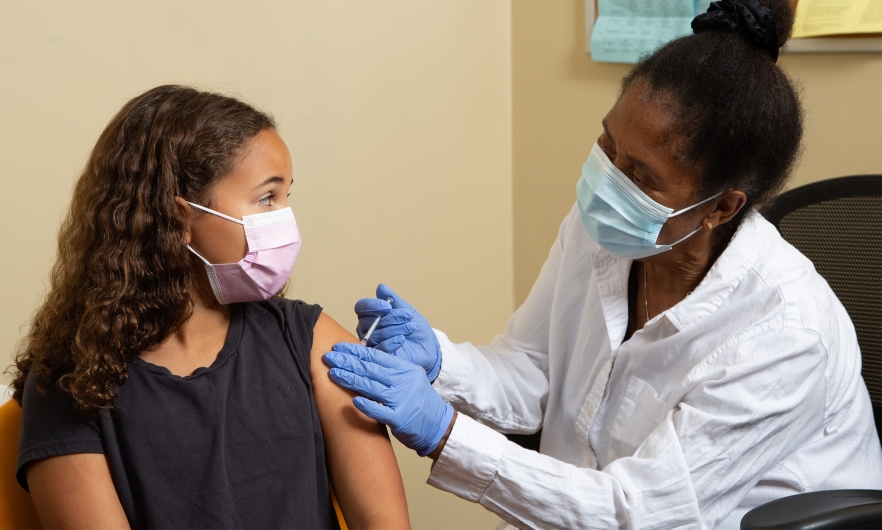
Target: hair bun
748	17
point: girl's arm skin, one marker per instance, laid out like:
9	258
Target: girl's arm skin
75	491
362	466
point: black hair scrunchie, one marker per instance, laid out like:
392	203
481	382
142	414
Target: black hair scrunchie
748	17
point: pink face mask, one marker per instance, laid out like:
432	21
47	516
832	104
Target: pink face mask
273	246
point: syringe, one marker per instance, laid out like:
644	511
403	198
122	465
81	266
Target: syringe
373	327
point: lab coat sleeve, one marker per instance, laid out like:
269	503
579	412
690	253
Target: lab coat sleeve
748	404
497	385
505	384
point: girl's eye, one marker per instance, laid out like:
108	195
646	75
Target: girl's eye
266	201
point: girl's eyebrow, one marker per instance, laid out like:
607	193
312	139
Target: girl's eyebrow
272	180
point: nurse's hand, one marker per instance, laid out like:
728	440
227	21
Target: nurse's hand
393	391
399	319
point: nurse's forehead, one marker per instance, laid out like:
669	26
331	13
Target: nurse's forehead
634	117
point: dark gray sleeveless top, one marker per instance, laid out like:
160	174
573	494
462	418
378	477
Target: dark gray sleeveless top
235	445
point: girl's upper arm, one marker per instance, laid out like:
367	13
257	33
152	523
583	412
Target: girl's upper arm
362	466
75	491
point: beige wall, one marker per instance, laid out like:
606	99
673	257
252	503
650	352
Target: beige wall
397	115
560	96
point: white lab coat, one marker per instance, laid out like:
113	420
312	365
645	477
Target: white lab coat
747	390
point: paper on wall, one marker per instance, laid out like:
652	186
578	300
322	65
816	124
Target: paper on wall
627	29
837	17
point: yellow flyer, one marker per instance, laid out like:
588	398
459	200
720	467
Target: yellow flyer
837	17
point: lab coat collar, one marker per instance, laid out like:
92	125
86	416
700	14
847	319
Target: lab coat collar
722	278
612	283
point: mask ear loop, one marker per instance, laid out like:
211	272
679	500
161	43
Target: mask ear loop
212	278
692	233
209	210
675	214
205	261
227	217
209	268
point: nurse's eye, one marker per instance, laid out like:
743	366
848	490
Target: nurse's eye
642	182
266	201
606	146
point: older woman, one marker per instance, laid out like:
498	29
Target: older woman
684	363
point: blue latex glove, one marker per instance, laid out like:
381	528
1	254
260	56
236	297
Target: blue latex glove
395	392
399	319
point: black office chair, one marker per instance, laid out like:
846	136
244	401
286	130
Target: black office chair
837	224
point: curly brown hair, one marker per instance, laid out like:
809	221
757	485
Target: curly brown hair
121	282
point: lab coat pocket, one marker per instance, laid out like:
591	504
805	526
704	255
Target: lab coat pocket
639	414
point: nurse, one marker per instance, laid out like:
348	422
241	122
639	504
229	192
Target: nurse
684	362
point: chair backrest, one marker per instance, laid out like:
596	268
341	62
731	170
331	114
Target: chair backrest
16	509
837	224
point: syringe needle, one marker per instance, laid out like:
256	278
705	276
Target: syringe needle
373	327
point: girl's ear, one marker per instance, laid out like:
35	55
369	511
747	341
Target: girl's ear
187	213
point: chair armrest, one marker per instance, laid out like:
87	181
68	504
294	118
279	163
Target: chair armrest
818	510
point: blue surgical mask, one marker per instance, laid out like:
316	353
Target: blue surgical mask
618	215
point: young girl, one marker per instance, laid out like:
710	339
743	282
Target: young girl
165	382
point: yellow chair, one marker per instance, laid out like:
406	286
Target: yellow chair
16	509
339	512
